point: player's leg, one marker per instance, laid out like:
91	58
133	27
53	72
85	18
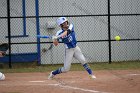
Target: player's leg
79	56
67	63
67	60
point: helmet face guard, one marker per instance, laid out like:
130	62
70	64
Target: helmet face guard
61	20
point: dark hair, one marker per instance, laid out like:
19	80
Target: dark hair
62	25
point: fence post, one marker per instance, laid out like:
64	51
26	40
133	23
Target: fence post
9	31
38	31
109	32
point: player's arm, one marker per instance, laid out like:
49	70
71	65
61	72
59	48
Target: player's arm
63	34
67	31
55	39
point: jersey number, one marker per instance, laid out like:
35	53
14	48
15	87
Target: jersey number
70	38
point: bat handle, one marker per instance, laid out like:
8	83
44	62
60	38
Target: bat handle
39	36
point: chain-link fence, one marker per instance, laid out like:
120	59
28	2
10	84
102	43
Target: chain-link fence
96	24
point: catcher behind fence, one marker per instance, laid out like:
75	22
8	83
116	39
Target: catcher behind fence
3	48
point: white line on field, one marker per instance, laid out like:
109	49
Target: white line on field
59	85
76	88
37	81
133	74
70	87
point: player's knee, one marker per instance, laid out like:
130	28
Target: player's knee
66	69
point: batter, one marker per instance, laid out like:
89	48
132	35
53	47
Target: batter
67	36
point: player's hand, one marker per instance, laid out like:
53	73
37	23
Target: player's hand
54	38
55	43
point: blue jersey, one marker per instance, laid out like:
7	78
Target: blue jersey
69	40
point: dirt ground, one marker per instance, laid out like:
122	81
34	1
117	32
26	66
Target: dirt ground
108	81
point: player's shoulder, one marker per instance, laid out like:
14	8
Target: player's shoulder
59	32
71	26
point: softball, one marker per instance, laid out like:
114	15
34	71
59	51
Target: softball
117	38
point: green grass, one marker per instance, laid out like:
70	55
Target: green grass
32	67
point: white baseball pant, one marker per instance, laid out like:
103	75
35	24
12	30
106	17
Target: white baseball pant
69	54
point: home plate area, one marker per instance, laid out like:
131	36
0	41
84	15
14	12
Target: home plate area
107	81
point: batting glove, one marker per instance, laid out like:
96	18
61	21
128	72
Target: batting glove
54	38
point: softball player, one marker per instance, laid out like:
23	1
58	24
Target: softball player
1	51
67	36
5	47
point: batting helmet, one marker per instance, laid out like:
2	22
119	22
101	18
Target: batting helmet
61	20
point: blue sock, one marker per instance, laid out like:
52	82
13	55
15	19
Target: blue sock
58	71
87	68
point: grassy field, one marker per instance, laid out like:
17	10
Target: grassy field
33	67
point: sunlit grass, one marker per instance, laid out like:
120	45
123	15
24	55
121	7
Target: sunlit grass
32	67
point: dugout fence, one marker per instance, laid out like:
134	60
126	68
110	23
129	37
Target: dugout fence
96	23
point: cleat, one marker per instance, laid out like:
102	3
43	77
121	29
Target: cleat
51	76
92	76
